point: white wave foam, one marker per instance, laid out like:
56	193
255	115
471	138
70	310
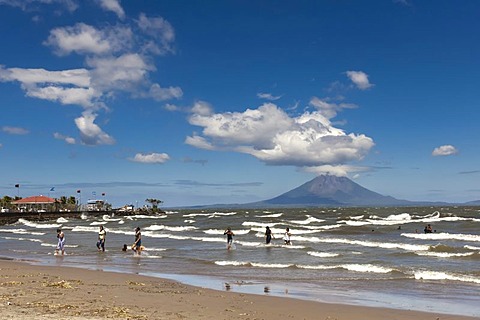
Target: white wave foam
209	215
316	267
168	228
357	217
22	231
444	254
62	220
38	225
23	239
307	221
84	229
384	245
434	275
193	215
142	216
189	221
354	223
273	215
443	236
259	224
322	254
98	223
366	268
271	265
108	218
154	249
249	243
471	247
231	263
220	231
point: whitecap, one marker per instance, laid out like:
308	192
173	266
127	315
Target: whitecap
271	265
38	225
307	221
142	216
322	254
249	243
443	236
231	263
220	231
62	220
106	217
366	268
444	254
84	229
273	215
22	231
168	228
319	267
259	224
434	275
471	247
385	245
98	223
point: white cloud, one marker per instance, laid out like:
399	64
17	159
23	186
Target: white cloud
268	96
65	87
160	94
70	5
118	58
122	73
161	32
114	6
445	150
90	133
151	158
15	130
360	79
28	77
272	136
202	108
199	142
329	110
67	139
80	38
75	96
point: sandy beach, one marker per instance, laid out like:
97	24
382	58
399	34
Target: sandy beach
39	292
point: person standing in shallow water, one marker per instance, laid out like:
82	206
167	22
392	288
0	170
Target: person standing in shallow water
286	237
61	242
229	235
268	235
137	245
101	239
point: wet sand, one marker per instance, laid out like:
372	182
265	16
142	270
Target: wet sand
39	292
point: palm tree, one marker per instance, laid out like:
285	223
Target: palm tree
154	203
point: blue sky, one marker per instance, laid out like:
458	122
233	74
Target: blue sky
203	102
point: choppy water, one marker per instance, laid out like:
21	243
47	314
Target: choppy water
368	256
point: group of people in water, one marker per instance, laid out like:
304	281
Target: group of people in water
102	234
268	236
137	244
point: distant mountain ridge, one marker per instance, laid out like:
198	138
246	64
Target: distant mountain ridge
331	190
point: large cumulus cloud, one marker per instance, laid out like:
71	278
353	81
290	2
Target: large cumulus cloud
271	135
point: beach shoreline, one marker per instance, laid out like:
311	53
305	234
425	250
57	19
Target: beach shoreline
37	292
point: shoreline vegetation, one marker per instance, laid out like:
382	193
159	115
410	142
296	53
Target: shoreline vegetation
40	292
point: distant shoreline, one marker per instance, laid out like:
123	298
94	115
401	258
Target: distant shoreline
12	217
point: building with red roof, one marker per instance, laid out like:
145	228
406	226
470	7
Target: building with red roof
34	203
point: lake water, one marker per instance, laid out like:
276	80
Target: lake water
366	256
